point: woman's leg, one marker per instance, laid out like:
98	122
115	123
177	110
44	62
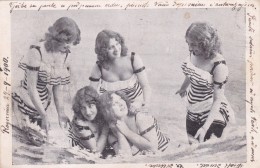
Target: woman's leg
192	127
18	118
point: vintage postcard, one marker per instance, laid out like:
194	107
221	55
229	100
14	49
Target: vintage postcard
155	84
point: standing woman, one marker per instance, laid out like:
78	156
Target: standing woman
46	65
117	69
206	75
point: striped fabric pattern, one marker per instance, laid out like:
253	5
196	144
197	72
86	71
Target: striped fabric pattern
24	108
201	89
42	90
223	123
48	78
200	93
131	88
75	141
199	117
44	78
163	140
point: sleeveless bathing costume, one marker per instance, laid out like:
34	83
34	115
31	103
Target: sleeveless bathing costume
131	87
200	100
47	75
163	140
76	141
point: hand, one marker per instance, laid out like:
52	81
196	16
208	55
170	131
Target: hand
145	108
63	121
45	124
113	127
181	92
122	127
201	134
133	109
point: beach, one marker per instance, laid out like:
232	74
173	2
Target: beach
157	35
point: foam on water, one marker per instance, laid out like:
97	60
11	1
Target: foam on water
226	149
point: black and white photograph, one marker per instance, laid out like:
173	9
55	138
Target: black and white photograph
127	86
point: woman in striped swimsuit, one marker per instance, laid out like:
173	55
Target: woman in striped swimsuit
116	70
206	75
45	65
88	129
130	134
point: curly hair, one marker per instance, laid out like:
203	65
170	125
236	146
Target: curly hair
102	43
87	95
63	31
105	105
207	38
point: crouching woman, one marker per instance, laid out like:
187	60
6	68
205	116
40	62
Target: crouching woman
88	129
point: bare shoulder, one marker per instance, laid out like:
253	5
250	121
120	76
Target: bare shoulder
221	70
219	57
34	54
144	119
138	58
96	71
137	62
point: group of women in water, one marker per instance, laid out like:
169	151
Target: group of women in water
112	114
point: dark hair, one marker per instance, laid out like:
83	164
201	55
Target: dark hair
63	31
88	95
102	42
206	36
105	104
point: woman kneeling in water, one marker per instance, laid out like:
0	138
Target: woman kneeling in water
88	128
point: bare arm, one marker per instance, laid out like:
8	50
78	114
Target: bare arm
220	75
34	95
73	82
32	78
148	141
95	75
143	80
218	95
119	142
184	86
102	139
59	103
123	146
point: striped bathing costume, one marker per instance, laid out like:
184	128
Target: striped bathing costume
76	141
163	140
200	99
131	87
47	75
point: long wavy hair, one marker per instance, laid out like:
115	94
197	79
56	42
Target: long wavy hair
105	105
87	95
63	31
102	44
206	36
